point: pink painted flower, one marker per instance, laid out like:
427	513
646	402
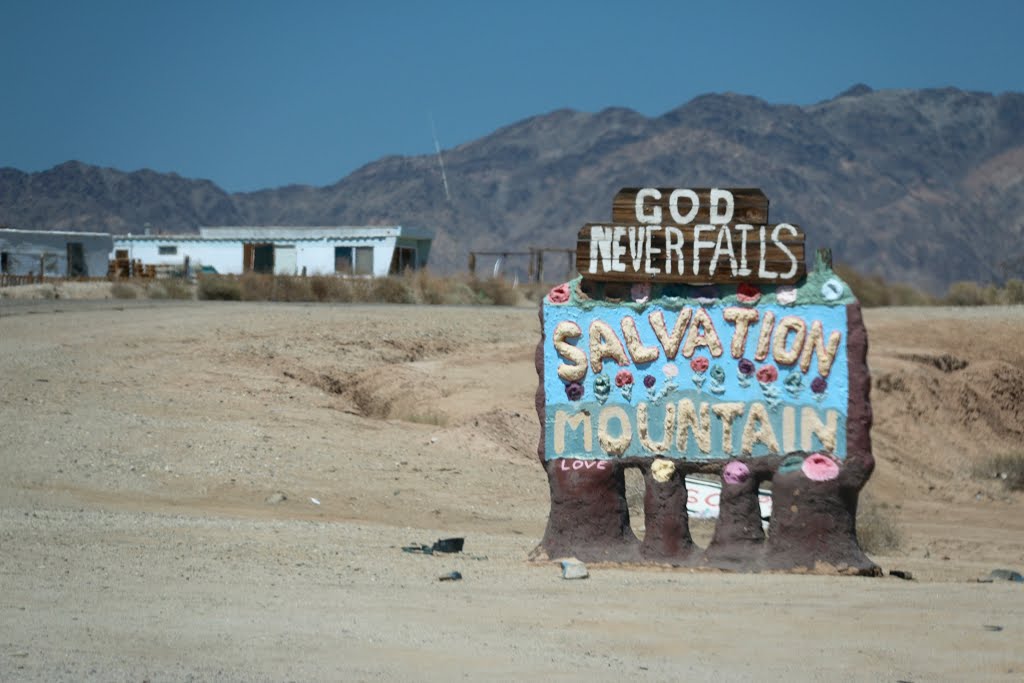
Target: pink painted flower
747	293
670	370
786	295
559	294
735	472
820	467
767	374
640	292
699	364
623	377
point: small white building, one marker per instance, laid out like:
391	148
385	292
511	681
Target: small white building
344	250
56	253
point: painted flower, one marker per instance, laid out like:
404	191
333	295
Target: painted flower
786	295
602	387
819	385
746	367
559	294
767	374
623	378
794	383
820	467
735	472
833	289
640	292
574	390
747	293
670	370
649	381
717	374
699	364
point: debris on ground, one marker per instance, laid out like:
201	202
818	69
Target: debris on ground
574	569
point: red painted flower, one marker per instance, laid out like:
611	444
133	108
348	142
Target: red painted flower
767	374
747	293
559	294
820	467
699	364
623	377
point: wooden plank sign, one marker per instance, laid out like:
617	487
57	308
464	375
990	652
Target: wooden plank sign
695	236
696	254
668	206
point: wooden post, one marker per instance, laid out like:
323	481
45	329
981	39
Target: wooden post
472	263
42	266
540	266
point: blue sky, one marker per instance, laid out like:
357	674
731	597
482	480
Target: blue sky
261	94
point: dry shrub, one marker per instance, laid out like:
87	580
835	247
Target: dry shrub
392	290
178	289
168	289
877	533
430	289
219	288
873	290
1007	467
330	288
123	290
256	286
292	289
495	291
1013	291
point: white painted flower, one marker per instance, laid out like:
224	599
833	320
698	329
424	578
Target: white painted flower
786	295
832	289
670	370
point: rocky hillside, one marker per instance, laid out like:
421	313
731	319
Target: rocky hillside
922	186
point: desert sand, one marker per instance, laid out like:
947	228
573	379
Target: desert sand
221	491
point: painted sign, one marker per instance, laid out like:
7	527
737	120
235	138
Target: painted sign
695	342
744	375
691	235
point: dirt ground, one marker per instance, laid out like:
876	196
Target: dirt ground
146	445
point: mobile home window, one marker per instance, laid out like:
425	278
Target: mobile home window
343	260
364	261
168	250
353	260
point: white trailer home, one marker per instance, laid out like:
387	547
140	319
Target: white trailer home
373	251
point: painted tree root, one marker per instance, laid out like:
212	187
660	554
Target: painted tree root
813	524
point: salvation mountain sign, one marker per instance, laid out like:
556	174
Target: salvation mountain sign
696	341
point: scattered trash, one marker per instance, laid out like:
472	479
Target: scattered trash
451	576
992	627
901	574
1005	575
314	501
574	569
448	545
275	498
425	549
442	545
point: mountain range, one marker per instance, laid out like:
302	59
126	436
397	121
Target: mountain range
918	186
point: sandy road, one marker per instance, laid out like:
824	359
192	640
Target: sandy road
140	443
